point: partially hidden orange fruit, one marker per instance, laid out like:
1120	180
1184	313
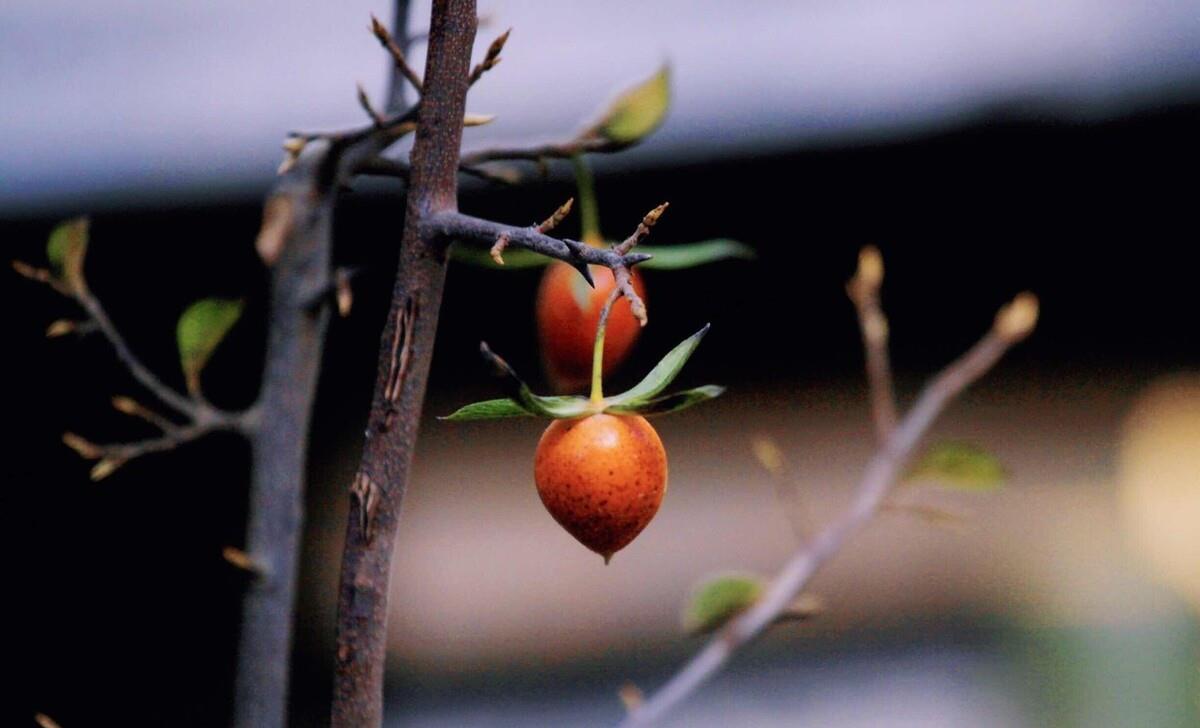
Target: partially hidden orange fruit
568	312
602	477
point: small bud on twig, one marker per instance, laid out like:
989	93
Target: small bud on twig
498	248
1017	319
276	226
631	696
241	560
385	39
559	215
343	291
768	454
61	327
106	467
84	448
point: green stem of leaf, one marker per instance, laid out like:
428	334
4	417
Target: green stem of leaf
589	212
597	397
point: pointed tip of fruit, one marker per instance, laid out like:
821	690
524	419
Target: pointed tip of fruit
607	558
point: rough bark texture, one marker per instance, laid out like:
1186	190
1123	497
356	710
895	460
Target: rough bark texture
405	354
298	320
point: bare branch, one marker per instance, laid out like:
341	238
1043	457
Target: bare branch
1013	323
112	456
452	226
389	44
863	290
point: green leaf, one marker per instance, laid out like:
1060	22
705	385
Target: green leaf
492	409
638	111
200	330
718	599
554	407
671	402
690	255
66	249
959	465
663	373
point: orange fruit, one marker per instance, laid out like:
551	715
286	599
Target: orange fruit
602	477
568	312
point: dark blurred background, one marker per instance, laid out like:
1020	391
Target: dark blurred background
1055	605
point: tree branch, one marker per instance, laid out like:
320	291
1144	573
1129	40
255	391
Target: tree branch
296	242
455	226
1013	323
406	349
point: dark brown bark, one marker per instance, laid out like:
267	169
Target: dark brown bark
405	355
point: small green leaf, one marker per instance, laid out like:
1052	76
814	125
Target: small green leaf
959	465
638	111
492	409
663	373
554	407
200	330
671	402
718	599
690	255
66	249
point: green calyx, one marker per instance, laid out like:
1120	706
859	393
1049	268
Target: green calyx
645	398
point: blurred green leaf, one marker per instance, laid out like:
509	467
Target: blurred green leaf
66	250
959	465
663	373
671	402
200	330
718	599
638	111
690	255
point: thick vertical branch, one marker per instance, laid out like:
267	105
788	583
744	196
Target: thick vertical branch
405	354
296	241
296	335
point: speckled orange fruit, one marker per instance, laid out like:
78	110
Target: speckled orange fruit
568	312
602	477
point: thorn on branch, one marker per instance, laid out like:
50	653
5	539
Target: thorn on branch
389	44
491	58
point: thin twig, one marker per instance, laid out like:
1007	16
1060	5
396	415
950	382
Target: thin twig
389	44
863	290
187	406
1014	322
491	58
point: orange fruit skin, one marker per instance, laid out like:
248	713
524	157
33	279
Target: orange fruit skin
601	477
567	330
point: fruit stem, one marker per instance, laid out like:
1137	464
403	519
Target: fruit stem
597	397
589	213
